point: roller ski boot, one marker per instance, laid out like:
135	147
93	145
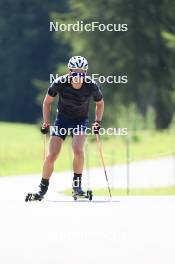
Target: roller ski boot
77	191
76	194
39	196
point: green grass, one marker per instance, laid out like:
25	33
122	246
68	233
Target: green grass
123	192
21	149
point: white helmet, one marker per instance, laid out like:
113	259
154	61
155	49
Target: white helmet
78	62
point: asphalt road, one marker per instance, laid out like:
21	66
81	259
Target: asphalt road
58	230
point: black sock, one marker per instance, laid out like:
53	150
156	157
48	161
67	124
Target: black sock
45	182
77	179
43	186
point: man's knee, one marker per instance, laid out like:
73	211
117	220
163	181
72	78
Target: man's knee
78	151
51	157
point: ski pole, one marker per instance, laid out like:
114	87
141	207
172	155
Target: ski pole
103	163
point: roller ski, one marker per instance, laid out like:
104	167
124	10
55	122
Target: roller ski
81	194
39	196
33	197
77	191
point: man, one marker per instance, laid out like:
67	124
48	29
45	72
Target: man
75	91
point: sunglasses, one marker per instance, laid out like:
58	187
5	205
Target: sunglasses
78	74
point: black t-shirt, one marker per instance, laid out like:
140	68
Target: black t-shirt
73	102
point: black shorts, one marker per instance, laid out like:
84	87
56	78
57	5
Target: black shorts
64	126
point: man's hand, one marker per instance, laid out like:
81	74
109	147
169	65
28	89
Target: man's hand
45	128
96	127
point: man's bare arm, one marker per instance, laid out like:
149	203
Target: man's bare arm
47	108
99	110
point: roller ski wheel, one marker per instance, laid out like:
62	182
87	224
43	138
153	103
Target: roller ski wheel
33	197
87	195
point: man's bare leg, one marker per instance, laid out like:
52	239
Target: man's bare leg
48	166
54	150
78	162
78	150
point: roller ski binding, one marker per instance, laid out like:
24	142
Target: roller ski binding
33	197
39	196
79	193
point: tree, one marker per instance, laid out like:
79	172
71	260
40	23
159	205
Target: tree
141	53
27	52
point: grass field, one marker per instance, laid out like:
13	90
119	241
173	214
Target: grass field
123	192
21	149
